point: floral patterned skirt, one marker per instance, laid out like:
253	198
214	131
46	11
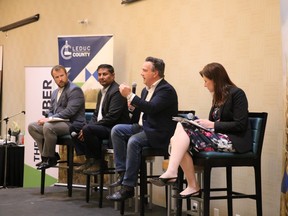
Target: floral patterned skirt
202	140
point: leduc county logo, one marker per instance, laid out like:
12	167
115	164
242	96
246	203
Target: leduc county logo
66	51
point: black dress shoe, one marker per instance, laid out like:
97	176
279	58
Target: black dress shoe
50	162
42	160
39	163
119	180
163	181
57	156
188	196
124	193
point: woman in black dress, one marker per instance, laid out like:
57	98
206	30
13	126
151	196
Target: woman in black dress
228	129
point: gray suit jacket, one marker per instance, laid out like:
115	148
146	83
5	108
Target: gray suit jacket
71	104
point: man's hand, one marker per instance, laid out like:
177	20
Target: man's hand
124	90
80	136
130	107
42	121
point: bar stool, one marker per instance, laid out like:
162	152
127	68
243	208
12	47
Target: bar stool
197	206
147	157
149	161
229	160
64	140
103	170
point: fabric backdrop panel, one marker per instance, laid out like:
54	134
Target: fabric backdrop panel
81	55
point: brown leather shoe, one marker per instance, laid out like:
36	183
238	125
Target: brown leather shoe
92	168
81	159
89	162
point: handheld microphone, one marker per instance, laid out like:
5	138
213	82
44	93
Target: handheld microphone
190	116
134	85
74	134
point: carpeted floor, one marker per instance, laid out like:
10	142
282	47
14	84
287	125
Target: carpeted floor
55	201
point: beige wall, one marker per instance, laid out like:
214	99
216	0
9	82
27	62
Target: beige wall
242	35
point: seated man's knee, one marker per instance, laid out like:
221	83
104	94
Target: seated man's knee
87	130
48	128
31	127
115	130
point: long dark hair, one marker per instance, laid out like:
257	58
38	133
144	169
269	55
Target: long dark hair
222	83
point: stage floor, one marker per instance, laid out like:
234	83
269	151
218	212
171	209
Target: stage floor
55	201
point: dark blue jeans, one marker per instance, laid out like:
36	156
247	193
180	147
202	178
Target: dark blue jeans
128	141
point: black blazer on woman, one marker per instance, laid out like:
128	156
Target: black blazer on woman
234	120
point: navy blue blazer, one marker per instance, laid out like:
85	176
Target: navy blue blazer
114	108
71	104
158	112
234	120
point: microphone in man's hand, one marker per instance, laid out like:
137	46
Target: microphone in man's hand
134	85
74	134
45	113
191	116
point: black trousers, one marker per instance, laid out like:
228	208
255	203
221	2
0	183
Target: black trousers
93	135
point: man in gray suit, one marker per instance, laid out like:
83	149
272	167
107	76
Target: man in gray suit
68	103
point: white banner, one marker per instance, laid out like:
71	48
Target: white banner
39	85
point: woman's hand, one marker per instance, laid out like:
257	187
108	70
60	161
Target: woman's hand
205	123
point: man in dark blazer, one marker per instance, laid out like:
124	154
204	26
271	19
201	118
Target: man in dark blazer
153	113
68	104
111	109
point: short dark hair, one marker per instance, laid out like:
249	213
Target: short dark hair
107	66
57	68
158	64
